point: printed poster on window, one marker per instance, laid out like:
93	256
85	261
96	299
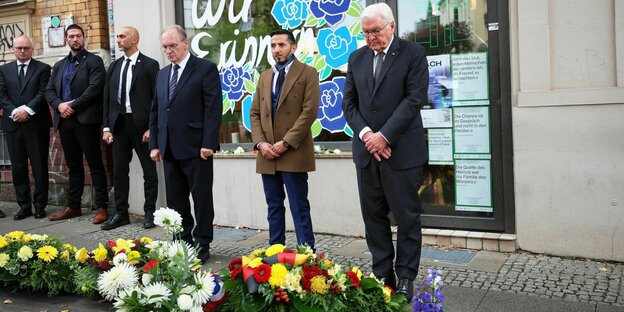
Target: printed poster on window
470	79
471	130
440	146
473	185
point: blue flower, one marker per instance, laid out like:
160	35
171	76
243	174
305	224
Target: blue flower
332	10
246	111
330	105
290	13
233	83
336	45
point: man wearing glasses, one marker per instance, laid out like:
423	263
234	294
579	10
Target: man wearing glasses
27	123
184	134
386	86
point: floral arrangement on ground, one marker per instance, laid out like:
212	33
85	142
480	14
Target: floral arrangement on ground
280	279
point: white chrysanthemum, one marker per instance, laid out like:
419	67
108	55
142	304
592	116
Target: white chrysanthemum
337	151
123	277
155	294
176	248
204	286
25	253
292	282
120	258
196	309
156	244
146	278
185	302
167	217
4	259
38	237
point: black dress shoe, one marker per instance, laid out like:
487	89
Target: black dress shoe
148	222
116	221
40	214
22	214
406	288
2	215
204	254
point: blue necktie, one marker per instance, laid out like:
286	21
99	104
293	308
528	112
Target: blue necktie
174	80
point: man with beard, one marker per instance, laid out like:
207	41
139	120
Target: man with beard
128	96
75	92
282	113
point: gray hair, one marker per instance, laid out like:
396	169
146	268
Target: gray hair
381	10
181	33
30	43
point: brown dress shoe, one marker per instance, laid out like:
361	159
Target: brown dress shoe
100	216
66	214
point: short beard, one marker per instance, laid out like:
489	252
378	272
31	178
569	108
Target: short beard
76	49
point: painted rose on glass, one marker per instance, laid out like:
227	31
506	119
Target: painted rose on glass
332	10
336	45
330	106
233	83
290	13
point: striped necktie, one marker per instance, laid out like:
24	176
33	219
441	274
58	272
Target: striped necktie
174	80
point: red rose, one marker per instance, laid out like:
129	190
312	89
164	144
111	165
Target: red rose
262	273
150	265
111	244
355	280
236	271
235	262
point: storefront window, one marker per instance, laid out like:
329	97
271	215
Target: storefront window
235	35
458	176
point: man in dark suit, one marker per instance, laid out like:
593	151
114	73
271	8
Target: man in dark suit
27	122
282	113
128	96
184	133
75	92
386	87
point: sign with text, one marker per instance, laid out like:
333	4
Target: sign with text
473	185
470	79
471	130
440	146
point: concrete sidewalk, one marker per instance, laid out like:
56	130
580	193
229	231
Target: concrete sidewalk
475	280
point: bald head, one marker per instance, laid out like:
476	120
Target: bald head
22	48
128	40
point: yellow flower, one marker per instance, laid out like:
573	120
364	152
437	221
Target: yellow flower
4	258
146	240
292	282
3	242
123	245
134	257
25	253
255	262
387	291
319	285
38	237
26	238
65	255
47	253
69	247
278	275
258	252
15	235
274	249
100	253
357	271
82	255
327	264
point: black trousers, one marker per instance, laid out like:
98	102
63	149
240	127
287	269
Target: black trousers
125	139
383	189
26	144
194	177
78	139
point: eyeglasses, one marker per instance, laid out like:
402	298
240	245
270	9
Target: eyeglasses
21	48
171	47
373	33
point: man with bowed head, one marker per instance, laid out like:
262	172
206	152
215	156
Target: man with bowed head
184	134
386	86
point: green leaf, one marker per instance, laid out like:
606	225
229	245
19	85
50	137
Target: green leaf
355	10
302	307
321	23
302	57
316	128
360	37
355	28
320	62
348	131
398	298
227	105
311	21
369	283
256	77
326	72
249	85
253	303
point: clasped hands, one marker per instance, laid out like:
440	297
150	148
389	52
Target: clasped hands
272	151
20	115
377	145
66	110
204	153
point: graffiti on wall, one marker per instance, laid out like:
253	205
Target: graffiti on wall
8	33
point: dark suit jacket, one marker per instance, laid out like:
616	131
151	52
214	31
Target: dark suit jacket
142	91
392	106
192	116
30	94
87	86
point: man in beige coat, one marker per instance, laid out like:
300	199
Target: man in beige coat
283	110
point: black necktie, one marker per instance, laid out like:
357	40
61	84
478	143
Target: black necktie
124	81
174	80
379	58
22	74
278	86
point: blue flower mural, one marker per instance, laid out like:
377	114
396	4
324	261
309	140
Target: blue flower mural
330	106
246	111
290	13
336	45
233	83
332	10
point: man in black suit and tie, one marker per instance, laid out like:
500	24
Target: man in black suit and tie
75	92
386	86
184	133
27	122
128	96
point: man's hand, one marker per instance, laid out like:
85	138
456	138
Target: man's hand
204	153
20	115
279	148
267	151
155	154
107	137
385	154
65	110
375	143
145	138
